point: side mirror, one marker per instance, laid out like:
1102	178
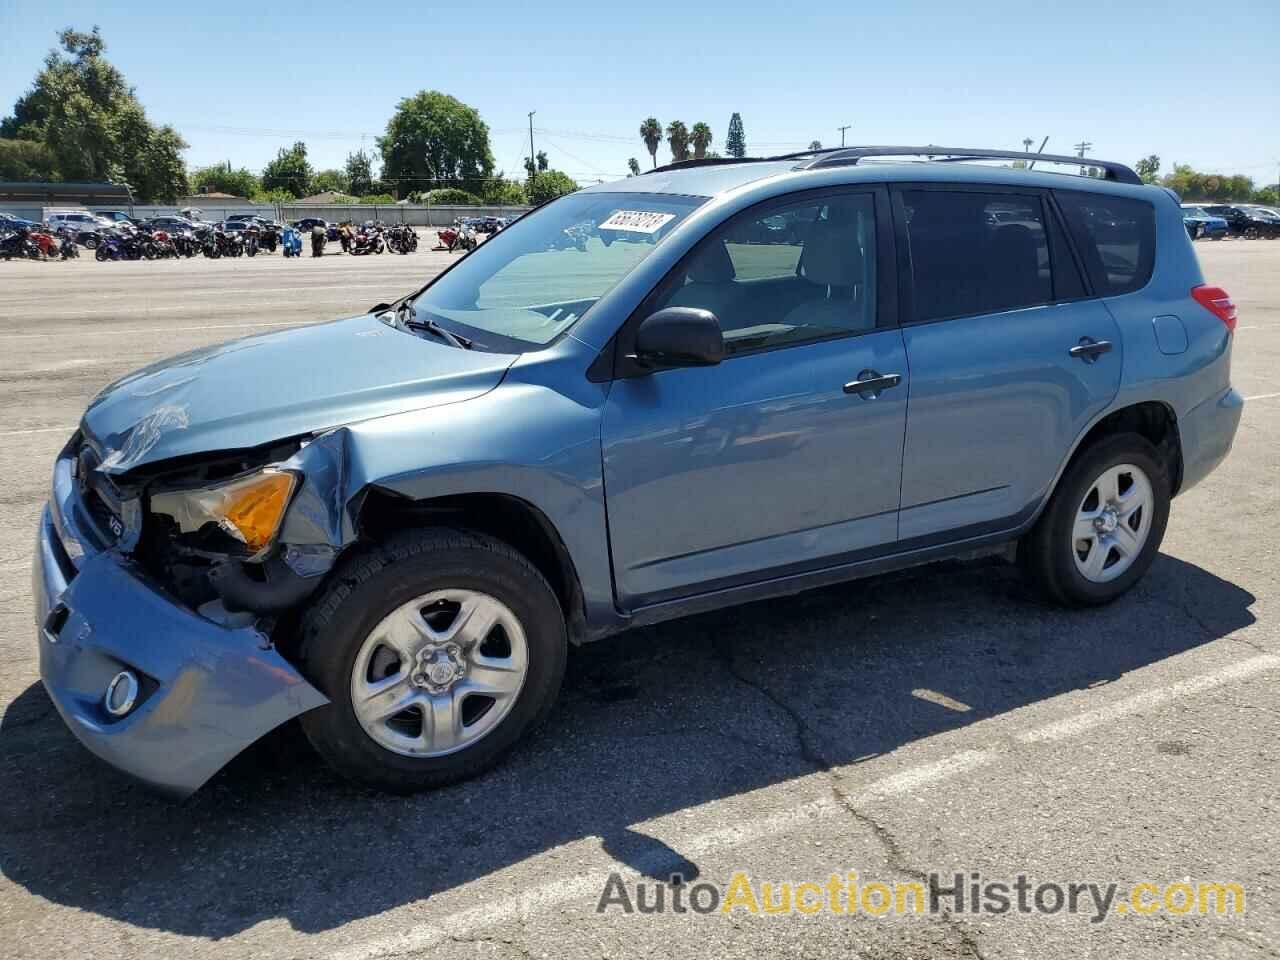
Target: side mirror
679	337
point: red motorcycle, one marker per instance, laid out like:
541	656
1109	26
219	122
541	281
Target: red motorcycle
48	246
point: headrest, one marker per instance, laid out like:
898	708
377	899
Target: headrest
832	255
711	264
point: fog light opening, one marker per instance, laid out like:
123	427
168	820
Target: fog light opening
122	694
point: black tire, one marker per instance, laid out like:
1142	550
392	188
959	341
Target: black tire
91	243
381	578
1045	554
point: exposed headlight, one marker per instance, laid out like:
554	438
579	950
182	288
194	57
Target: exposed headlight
249	509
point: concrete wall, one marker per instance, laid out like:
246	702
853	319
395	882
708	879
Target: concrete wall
419	215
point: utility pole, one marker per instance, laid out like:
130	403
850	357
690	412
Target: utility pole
533	163
1081	147
842	130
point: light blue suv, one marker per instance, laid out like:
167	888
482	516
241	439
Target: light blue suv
714	383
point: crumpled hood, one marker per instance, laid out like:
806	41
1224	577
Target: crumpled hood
269	387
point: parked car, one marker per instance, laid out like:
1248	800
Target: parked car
1242	222
305	225
1201	224
116	216
394	525
9	223
79	219
169	224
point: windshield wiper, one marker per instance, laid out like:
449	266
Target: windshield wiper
404	318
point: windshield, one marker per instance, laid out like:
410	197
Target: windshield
536	278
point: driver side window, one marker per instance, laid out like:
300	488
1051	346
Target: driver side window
783	273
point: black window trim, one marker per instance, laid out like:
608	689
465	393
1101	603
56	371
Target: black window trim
1049	212
887	289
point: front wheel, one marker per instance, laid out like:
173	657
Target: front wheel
1103	526
439	650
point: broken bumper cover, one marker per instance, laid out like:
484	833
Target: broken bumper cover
205	692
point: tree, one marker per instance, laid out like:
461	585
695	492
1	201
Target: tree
550	185
331	181
735	144
289	171
155	169
359	173
700	137
91	124
221	178
447	195
504	192
1148	168
651	134
542	164
634	166
815	144
1192	185
434	137
27	160
678	140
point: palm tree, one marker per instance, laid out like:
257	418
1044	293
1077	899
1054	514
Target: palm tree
651	134
678	140
700	137
634	166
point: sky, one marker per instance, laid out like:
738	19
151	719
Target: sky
1191	82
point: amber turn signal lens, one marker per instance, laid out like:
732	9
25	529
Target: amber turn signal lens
254	508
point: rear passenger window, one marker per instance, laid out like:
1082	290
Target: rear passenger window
1116	238
975	253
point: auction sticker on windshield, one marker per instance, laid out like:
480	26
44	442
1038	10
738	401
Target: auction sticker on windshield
637	221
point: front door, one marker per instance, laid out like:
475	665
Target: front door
772	462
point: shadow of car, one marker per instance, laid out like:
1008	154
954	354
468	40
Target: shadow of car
659	720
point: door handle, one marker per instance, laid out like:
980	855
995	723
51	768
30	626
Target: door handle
870	383
1089	349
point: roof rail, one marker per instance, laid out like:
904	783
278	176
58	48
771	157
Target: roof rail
837	157
711	162
848	156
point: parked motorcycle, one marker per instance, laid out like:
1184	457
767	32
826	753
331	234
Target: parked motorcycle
185	244
251	234
269	238
118	248
368	240
461	236
68	249
291	241
318	237
19	244
402	239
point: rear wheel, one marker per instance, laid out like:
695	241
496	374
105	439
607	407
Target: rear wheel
439	651
1103	526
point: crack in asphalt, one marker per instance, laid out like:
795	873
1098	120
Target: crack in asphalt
894	853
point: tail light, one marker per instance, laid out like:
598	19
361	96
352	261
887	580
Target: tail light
1218	302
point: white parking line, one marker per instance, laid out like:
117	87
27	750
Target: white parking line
1263	396
586	887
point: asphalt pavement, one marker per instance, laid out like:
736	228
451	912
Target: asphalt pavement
931	722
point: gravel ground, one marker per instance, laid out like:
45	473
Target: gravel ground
940	720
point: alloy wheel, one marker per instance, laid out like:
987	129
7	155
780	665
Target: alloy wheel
1112	523
439	673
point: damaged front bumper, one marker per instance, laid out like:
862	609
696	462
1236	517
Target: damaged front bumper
205	691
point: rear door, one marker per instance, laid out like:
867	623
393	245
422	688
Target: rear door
1010	356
